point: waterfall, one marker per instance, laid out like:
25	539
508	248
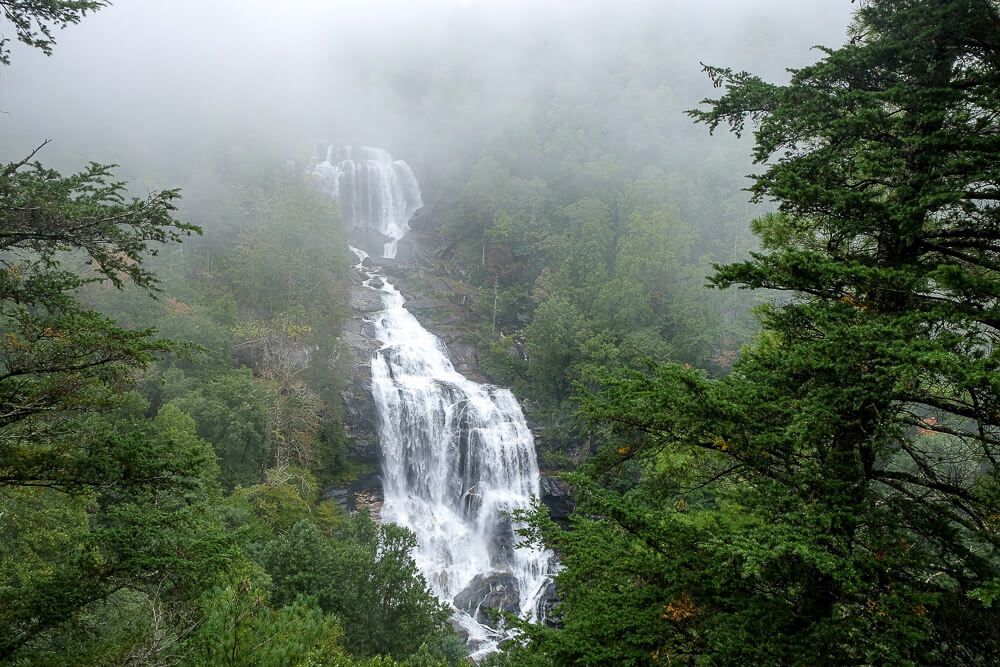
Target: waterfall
457	456
377	195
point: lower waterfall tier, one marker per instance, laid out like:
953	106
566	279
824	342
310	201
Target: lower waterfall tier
457	460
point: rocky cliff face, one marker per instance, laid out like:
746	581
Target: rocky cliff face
360	418
443	317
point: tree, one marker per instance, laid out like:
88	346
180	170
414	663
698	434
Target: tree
241	628
125	502
33	21
231	413
835	498
366	577
58	356
588	251
135	513
553	343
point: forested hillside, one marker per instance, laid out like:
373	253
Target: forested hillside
171	414
582	227
832	499
766	408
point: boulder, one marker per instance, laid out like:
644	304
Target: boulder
365	300
464	358
487	594
503	542
370	240
390	266
462	633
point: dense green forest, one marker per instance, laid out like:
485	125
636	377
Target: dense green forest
160	499
795	463
169	417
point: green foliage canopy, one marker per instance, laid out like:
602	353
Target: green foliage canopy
834	499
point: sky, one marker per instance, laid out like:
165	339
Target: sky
160	81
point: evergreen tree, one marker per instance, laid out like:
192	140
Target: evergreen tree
56	356
835	498
125	502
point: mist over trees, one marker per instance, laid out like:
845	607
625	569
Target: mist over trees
773	399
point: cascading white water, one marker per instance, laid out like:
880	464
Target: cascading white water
377	195
457	456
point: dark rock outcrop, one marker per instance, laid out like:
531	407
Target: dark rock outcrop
363	493
487	594
557	497
359	415
546	605
341	497
365	300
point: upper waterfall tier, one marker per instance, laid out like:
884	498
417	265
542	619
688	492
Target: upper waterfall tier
377	195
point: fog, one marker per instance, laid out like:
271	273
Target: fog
159	85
